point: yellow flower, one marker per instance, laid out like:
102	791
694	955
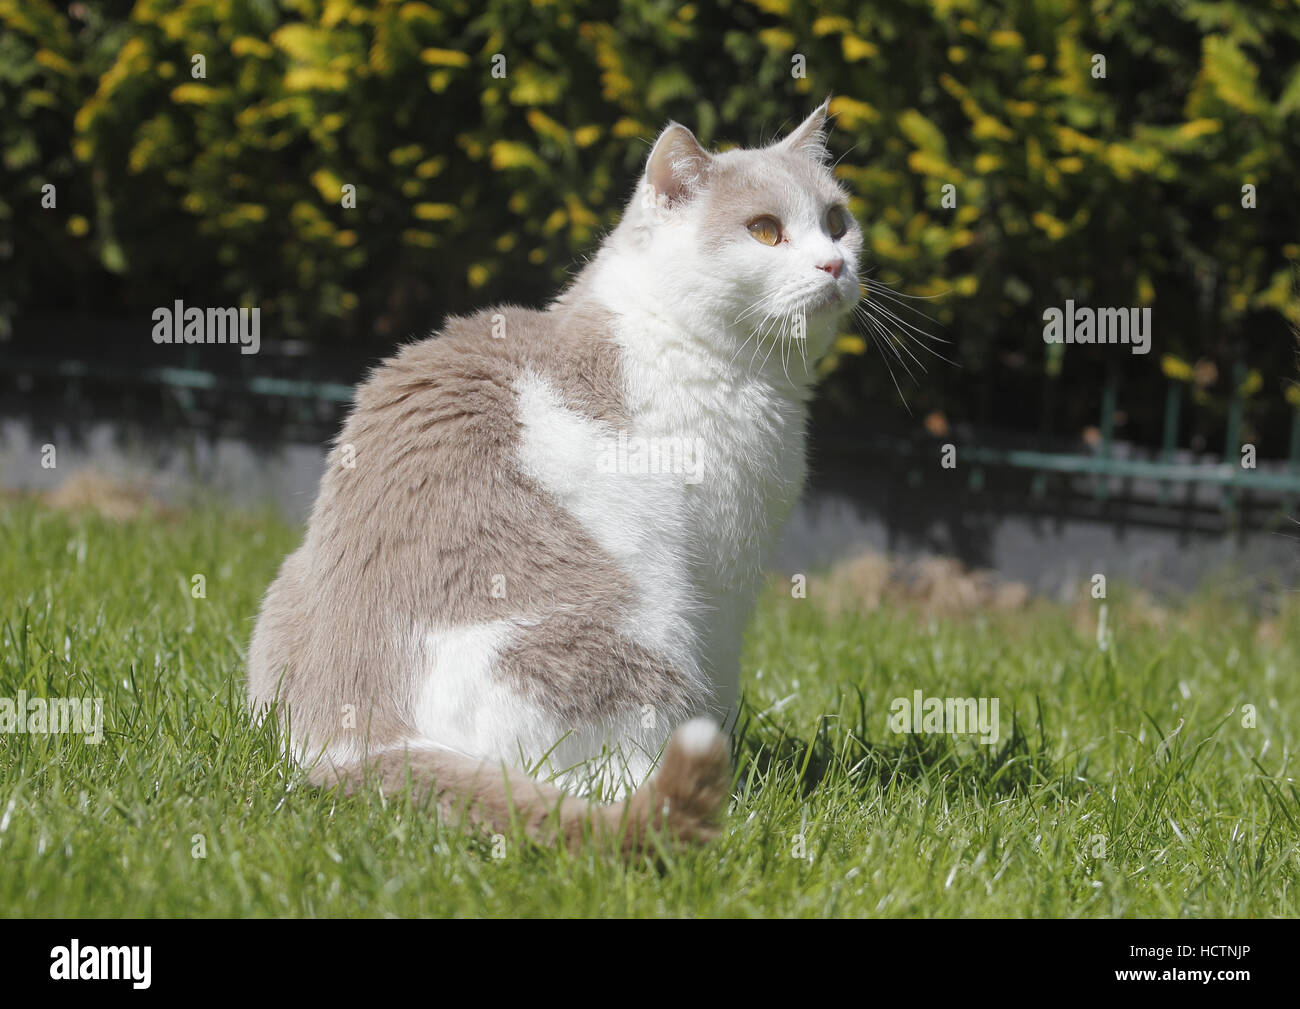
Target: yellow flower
444	57
1054	227
827	25
1175	368
857	49
435	211
777	39
1198	128
329	185
852	113
195	94
508	154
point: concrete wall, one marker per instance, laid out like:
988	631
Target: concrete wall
855	503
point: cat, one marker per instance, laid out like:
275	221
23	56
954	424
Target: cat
512	567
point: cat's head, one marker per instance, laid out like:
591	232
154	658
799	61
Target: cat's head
754	245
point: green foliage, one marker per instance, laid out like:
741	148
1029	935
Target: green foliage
1116	190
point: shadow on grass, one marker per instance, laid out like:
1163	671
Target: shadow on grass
840	751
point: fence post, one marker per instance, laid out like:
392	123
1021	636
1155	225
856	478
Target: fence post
1109	395
1293	457
1232	444
1169	440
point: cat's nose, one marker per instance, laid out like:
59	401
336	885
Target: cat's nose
833	267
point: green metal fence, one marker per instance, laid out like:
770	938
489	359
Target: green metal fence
1102	465
185	383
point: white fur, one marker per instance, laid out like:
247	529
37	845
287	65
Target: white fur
464	706
755	459
638	519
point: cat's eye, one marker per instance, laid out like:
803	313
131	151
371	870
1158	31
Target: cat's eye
766	229
837	222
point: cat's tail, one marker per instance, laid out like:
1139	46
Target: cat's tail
684	800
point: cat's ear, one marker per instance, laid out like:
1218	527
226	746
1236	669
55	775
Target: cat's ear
677	165
809	137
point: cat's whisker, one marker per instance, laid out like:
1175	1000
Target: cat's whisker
742	347
803	351
772	324
759	345
881	347
904	333
761	303
887	344
756	334
776	324
895	338
890	295
845	155
785	353
891	342
889	310
761	329
774	333
799	342
903	347
881	286
892	377
875	307
757	337
764	300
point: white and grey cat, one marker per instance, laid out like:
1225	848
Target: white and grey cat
509	567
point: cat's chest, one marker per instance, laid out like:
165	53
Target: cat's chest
695	480
747	444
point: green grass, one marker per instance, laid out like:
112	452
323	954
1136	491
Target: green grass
1142	745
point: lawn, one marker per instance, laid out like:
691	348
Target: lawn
1127	781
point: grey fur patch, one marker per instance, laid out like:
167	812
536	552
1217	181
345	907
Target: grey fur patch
745	184
435	508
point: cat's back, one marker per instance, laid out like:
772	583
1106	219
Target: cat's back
428	502
432	460
470	372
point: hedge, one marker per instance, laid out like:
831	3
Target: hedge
201	149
